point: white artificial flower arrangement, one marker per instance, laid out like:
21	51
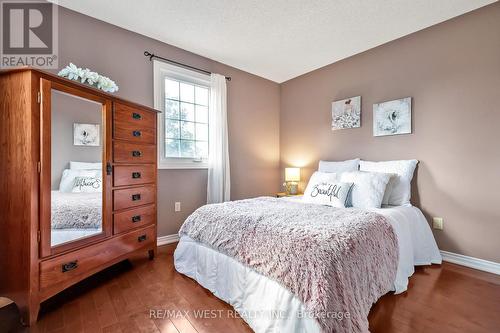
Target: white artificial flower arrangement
87	76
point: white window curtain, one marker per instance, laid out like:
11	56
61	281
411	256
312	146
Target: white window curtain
219	185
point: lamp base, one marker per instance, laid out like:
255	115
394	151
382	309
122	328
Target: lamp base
292	188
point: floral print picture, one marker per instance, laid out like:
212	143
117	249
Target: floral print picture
346	113
392	117
86	134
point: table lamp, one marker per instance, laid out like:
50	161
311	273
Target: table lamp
292	178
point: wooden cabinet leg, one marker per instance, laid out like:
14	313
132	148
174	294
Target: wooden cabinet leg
34	314
29	316
151	254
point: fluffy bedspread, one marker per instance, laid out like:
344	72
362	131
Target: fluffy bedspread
76	210
338	262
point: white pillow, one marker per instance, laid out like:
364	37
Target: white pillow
339	167
84	184
399	187
369	187
325	189
85	165
68	178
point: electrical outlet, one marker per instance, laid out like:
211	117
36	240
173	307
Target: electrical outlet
177	206
437	223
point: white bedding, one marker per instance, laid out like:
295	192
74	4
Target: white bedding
60	236
75	216
266	305
76	210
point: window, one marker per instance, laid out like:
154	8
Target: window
186	120
183	97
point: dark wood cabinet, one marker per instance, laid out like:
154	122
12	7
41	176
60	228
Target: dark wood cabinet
32	268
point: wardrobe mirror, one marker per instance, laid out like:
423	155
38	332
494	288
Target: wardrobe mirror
77	143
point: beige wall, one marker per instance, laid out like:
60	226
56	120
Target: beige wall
253	110
452	71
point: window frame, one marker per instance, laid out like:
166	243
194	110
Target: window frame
160	71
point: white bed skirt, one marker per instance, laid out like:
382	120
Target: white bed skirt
263	303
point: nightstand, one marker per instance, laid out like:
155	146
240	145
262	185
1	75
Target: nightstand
284	194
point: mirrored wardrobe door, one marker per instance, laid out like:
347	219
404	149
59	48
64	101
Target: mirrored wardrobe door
74	159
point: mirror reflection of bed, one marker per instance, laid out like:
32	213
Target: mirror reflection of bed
76	167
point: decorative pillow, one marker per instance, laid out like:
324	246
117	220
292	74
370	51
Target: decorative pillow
368	189
339	167
85	165
399	187
325	189
68	178
87	185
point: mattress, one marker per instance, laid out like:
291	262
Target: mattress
266	305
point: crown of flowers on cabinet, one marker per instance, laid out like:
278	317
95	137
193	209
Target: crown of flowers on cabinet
89	77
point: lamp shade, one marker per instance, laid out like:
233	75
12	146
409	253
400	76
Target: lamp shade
292	174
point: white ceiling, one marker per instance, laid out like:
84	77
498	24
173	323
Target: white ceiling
275	39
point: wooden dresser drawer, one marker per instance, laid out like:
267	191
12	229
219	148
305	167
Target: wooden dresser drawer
134	218
131	197
124	114
124	152
135	133
82	262
133	174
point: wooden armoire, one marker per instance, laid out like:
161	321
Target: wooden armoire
54	235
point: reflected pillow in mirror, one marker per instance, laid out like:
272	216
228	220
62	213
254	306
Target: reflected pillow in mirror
85	165
87	185
68	178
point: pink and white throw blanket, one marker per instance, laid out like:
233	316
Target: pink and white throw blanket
335	260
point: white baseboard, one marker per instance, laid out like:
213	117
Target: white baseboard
476	263
164	240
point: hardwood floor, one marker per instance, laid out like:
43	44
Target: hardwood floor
447	298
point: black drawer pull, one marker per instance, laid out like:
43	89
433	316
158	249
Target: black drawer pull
69	266
136	133
136	115
136	175
136	218
136	197
141	238
136	153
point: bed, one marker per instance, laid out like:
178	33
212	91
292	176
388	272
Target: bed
75	215
386	245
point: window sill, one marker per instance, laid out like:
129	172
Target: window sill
180	166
